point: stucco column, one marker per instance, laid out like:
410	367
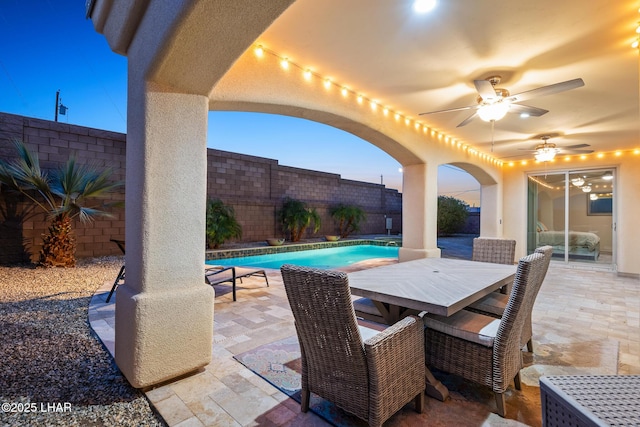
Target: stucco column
491	212
419	213
164	312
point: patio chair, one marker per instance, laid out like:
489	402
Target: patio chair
495	303
371	379
215	275
497	251
481	348
120	276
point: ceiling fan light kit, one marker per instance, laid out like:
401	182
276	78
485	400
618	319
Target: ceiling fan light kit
578	182
493	112
546	151
545	154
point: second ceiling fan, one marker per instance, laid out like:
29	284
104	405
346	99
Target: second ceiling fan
494	103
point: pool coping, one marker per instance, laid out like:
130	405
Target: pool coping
295	247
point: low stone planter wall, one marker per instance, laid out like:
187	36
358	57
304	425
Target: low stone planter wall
294	247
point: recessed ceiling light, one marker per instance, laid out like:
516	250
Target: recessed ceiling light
424	6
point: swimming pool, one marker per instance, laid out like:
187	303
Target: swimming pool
320	258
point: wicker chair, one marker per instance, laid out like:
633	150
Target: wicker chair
497	251
481	348
371	379
495	303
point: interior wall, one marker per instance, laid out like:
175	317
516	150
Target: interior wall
580	221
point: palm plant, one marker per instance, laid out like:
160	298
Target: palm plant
295	218
221	224
349	218
62	195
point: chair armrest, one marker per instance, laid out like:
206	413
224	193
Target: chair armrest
212	271
395	358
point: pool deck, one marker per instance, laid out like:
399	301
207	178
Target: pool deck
595	333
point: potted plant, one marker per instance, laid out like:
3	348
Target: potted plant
274	241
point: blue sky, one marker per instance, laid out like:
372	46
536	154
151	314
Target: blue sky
48	45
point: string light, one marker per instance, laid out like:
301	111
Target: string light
598	156
308	74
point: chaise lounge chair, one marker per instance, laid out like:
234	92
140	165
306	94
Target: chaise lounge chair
215	275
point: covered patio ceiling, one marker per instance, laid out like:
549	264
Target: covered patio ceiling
414	63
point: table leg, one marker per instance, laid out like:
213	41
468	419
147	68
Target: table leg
435	388
388	312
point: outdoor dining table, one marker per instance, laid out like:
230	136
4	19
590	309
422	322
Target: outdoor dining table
441	286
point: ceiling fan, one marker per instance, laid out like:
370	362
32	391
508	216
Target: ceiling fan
494	103
546	151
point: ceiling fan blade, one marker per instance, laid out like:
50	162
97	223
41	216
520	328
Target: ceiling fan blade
469	107
485	89
468	119
573	147
565	151
532	111
546	90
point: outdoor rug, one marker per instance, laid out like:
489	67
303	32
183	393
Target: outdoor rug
279	364
470	405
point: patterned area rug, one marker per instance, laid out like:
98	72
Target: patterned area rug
279	364
470	405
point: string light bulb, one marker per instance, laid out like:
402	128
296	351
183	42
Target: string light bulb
259	51
284	63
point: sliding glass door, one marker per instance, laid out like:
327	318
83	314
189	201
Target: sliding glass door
573	211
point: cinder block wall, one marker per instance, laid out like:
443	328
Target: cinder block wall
21	226
254	186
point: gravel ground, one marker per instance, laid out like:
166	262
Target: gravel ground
51	362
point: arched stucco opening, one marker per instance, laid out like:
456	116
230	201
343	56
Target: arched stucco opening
389	145
490	199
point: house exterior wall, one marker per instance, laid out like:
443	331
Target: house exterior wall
254	186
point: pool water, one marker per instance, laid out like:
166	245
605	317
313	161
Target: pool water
341	256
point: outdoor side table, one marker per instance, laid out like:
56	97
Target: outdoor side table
585	400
